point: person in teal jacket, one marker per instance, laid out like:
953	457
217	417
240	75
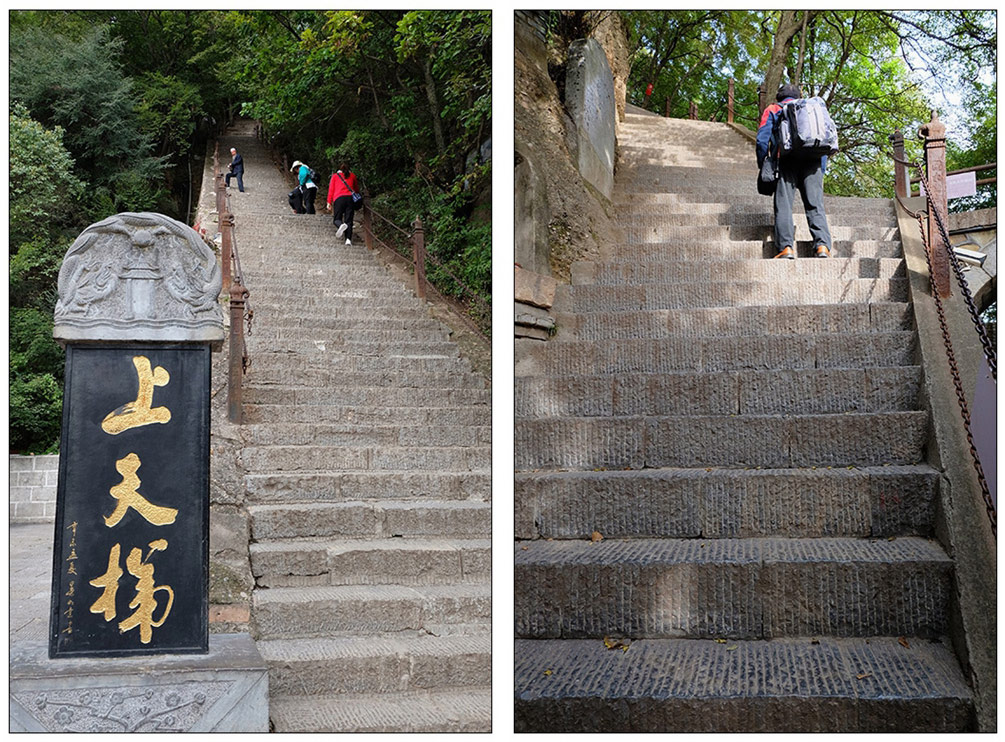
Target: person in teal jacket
307	186
802	174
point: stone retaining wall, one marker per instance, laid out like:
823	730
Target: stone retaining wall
33	488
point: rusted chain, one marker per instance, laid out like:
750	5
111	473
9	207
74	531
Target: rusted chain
958	385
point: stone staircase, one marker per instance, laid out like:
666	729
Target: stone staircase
724	516
367	480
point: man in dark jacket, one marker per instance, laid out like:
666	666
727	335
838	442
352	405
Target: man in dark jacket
802	174
236	169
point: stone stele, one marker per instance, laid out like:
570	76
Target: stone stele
139	277
226	690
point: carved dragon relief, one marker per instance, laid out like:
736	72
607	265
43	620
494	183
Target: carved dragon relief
132	272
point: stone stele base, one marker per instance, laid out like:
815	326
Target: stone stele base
226	690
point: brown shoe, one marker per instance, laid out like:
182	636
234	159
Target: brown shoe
787	252
822	251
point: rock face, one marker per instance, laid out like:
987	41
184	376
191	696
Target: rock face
365	477
724	516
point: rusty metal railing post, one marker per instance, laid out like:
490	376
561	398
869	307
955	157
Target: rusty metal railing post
666	108
901	179
235	371
226	242
729	101
692	111
934	134
367	226
419	258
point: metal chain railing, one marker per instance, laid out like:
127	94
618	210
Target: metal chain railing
479	314
929	245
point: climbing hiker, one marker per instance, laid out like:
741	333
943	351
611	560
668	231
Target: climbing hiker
344	198
797	171
236	169
308	188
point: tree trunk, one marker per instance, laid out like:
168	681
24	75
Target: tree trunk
789	25
797	79
434	106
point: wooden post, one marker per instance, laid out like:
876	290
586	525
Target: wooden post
729	101
666	109
934	133
901	181
419	258
367	226
692	111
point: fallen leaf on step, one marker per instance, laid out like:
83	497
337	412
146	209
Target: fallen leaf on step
814	641
903	642
731	648
596	536
863	675
720	641
615	643
547	672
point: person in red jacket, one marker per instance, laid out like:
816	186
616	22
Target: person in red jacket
340	190
803	175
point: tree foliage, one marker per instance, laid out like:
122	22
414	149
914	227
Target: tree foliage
878	71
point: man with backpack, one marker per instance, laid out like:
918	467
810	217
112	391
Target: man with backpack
800	159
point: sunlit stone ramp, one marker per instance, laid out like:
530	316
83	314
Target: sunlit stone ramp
724	515
367	464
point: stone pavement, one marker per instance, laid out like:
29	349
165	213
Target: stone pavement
30	580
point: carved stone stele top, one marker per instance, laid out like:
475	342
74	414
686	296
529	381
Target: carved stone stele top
142	277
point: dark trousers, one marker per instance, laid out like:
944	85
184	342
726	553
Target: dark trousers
309	195
240	180
807	177
342	213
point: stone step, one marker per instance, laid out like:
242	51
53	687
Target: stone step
868	502
365	434
684	215
712	271
464	710
444	415
338	321
394	561
635	233
345	486
314	375
378	665
364	396
771	441
626	199
761	248
779	293
736	588
709	353
299	458
776	392
349	611
323	355
309	301
293	339
785	685
735	321
382	519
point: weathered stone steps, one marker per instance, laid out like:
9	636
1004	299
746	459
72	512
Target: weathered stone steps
281	487
452	710
711	203
364	396
799	685
867	502
738	588
706	271
396	561
635	233
786	391
281	412
296	458
366	434
759	247
711	354
381	664
352	611
318	374
734	322
775	441
594	297
381	519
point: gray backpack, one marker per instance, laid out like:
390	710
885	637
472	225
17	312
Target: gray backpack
806	130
